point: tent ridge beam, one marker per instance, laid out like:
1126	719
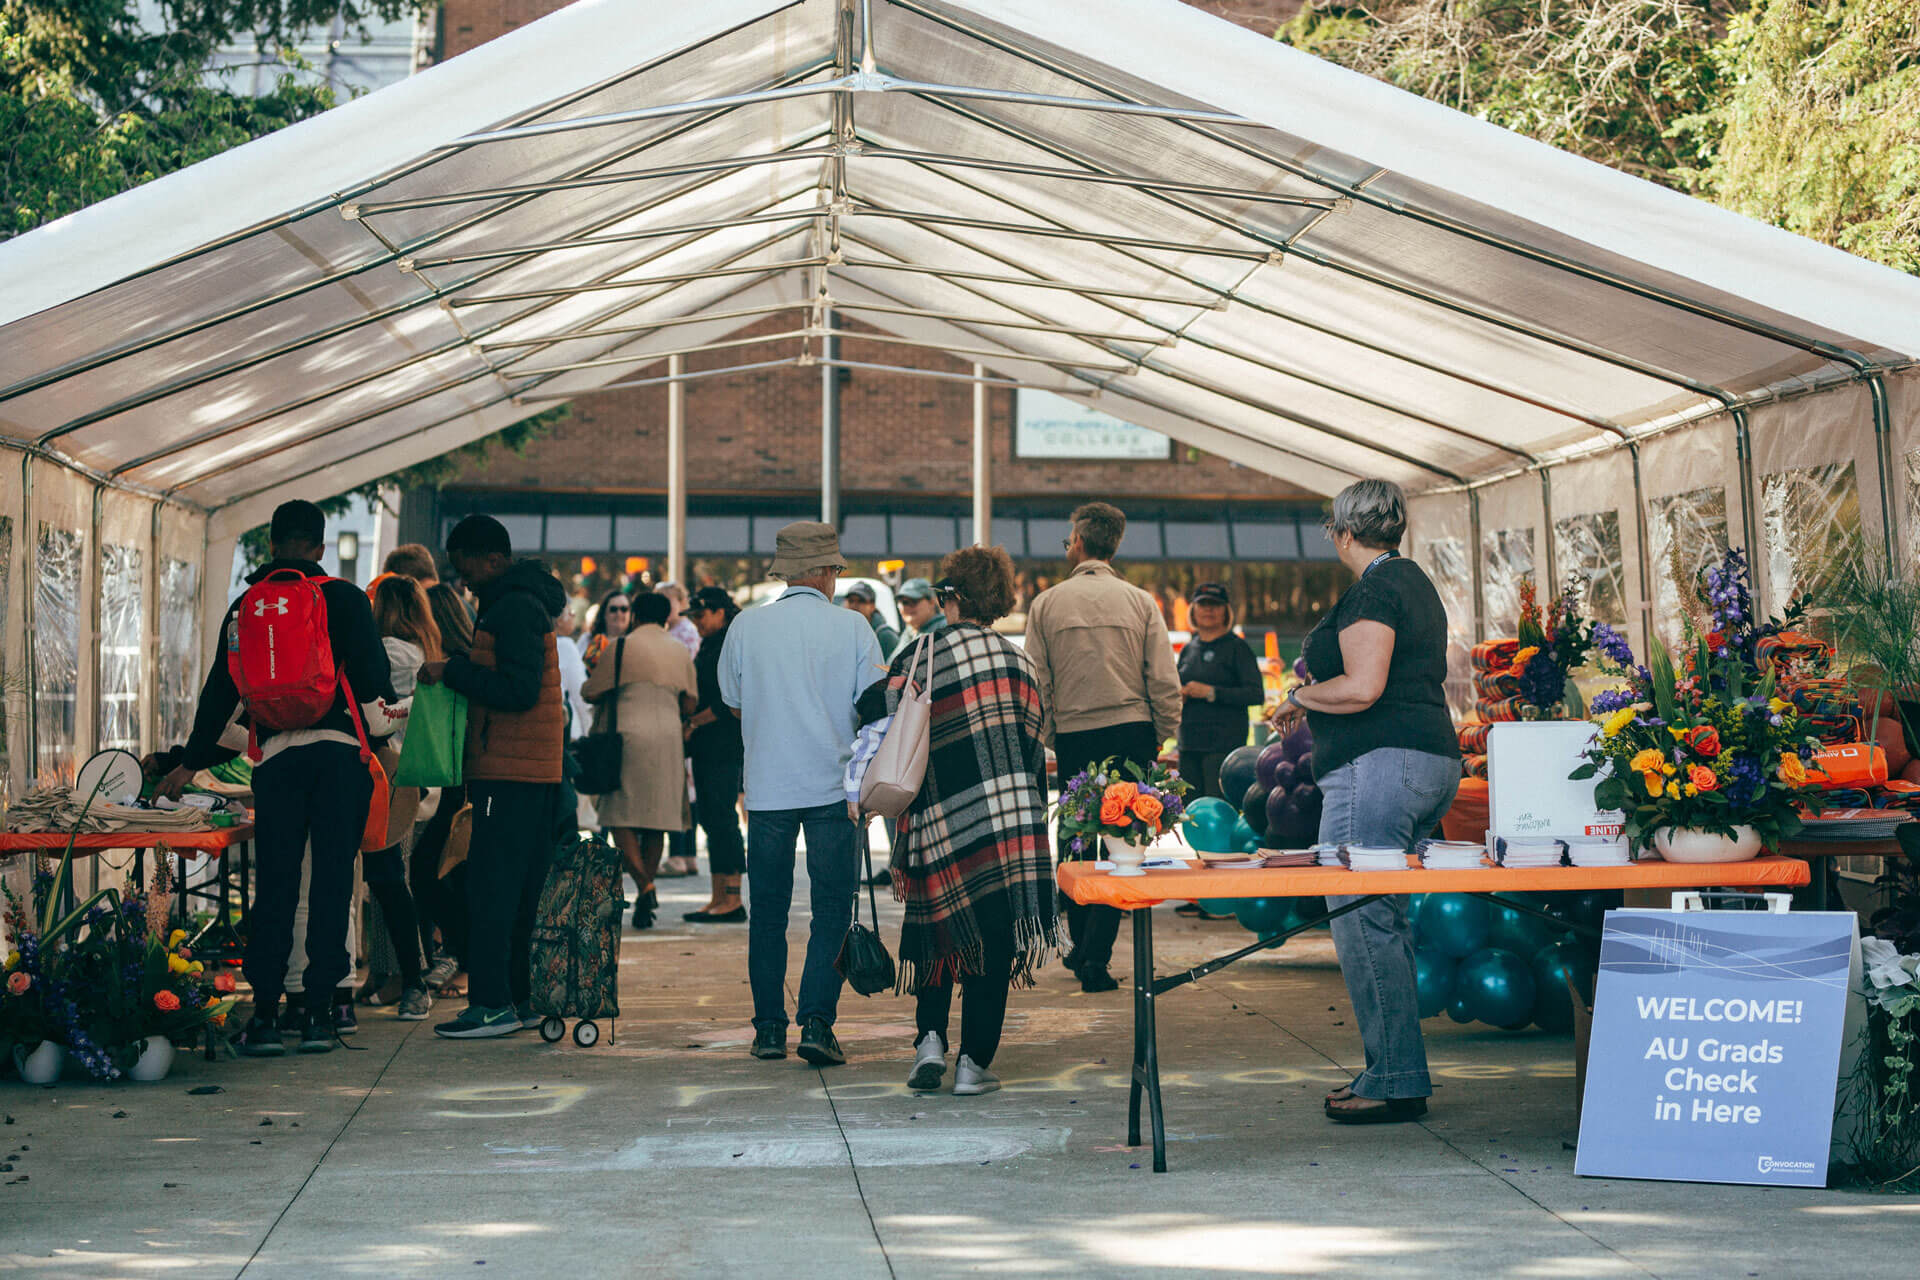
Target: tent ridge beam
997	353
1086	290
1060	233
569	291
1439	221
590	242
1250	194
784	362
320	282
621	331
642	359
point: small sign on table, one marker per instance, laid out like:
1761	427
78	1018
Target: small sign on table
1716	1046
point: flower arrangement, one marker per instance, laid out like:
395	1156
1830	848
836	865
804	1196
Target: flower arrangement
1123	801
1711	749
102	979
1554	643
1884	1144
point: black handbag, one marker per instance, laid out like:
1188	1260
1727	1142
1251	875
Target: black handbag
864	960
596	757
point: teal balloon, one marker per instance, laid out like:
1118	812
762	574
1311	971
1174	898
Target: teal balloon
1413	906
1245	838
1433	979
1220	906
1457	1009
1211	828
1497	987
1237	771
1516	931
1552	965
1456	924
1265	916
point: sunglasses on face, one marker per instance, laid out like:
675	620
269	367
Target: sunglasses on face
618	608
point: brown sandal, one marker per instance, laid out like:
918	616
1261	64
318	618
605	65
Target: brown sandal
1357	1110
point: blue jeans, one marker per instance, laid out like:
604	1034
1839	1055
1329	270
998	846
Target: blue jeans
771	838
1389	797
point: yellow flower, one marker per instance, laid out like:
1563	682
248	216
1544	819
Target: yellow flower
1617	721
1673	791
1670	769
1521	658
1653	784
1792	772
176	965
13	959
1689	791
196	967
1778	705
1677	733
175	938
1646	761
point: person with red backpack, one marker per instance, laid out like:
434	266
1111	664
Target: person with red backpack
300	654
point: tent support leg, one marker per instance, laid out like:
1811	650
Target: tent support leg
830	430
982	463
676	470
1473	562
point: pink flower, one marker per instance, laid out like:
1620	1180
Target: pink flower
166	1001
17	984
223	982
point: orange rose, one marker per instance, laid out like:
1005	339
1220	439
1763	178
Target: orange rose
1126	791
1113	811
1706	740
1147	809
166	1001
1702	777
1792	772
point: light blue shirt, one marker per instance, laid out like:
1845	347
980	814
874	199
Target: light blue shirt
794	668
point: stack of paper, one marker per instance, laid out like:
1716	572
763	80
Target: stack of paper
1363	858
1453	855
1517	852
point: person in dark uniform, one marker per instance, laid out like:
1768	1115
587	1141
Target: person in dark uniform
1219	680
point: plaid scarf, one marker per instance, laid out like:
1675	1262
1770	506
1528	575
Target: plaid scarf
973	845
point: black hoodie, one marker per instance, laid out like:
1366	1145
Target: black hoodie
518	608
357	651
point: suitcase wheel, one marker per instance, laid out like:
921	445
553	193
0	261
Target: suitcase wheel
585	1034
551	1029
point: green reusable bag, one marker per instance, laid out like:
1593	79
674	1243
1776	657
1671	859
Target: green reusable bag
436	742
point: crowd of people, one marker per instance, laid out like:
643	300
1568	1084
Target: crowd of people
779	711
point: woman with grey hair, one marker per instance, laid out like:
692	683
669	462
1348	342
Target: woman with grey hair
1387	760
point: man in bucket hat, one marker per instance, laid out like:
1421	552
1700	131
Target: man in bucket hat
792	670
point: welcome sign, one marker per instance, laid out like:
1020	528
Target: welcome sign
1716	1046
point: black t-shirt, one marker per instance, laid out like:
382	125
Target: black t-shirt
1411	712
722	737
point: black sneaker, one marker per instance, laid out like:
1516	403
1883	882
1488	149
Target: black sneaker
320	1032
818	1045
292	1019
344	1020
770	1043
260	1038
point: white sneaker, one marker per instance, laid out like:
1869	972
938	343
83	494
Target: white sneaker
929	1063
969	1078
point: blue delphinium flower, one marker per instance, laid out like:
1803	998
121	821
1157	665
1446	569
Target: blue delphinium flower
1610	700
1613	646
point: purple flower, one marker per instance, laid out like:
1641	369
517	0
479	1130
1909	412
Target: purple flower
1609	700
1613	646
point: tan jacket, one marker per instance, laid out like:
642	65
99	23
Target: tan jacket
1101	649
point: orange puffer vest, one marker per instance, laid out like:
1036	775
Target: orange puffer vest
517	746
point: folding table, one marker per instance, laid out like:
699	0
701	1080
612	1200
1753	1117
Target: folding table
1085	884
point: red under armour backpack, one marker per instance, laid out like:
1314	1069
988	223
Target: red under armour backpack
279	653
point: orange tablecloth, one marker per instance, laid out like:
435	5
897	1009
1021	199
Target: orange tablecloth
1085	885
191	844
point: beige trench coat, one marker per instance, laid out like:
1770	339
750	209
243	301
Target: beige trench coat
655	671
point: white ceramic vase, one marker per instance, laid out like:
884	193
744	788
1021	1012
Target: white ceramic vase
1126	858
43	1065
155	1061
1684	844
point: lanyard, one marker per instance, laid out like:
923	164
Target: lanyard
1377	561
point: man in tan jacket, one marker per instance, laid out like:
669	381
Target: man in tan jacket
1111	689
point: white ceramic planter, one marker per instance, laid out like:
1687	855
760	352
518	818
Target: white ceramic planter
1684	844
43	1065
155	1061
1126	858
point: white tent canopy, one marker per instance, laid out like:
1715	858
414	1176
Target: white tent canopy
1203	231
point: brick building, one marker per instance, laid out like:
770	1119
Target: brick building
593	490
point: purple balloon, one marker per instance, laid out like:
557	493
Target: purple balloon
1284	774
1298	743
1279	807
1296	831
1271	757
1303	769
1300	668
1305	797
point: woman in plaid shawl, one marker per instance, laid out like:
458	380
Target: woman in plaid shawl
970	857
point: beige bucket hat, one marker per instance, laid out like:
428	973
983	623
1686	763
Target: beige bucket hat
804	546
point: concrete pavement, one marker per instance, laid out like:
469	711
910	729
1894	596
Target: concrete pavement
670	1152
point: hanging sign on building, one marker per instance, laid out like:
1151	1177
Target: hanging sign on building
1716	1046
1049	426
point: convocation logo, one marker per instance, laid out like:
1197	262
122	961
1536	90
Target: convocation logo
1767	1164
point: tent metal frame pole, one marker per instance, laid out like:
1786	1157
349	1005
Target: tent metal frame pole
543	397
1084	290
662	111
941	375
682	277
1567	411
994	352
1883	463
385	257
1141	363
150	720
1098	386
1547	533
1400	208
1511	323
620	331
1475	568
1136	181
1642	556
376	208
29	658
920	313
830	428
594	242
348	195
509	392
676	469
982	462
1748	488
647	359
868	210
1182	334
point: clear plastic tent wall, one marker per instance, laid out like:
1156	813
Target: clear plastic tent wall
1127	202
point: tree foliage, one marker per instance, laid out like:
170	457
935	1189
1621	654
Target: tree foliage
1802	113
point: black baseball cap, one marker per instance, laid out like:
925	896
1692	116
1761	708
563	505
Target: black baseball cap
1209	593
709	598
860	590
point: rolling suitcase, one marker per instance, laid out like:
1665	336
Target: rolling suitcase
575	946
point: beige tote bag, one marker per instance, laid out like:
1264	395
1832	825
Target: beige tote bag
900	765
